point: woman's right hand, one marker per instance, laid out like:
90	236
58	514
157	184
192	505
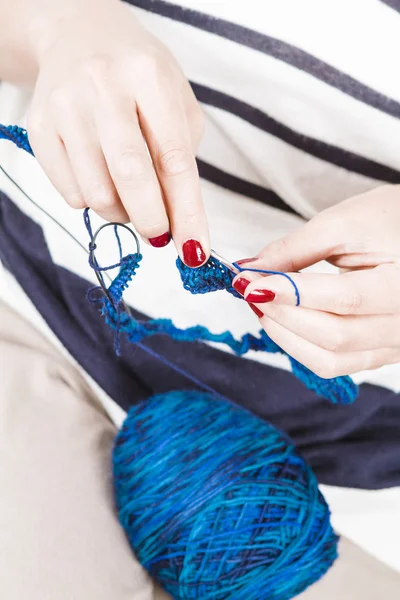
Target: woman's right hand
115	125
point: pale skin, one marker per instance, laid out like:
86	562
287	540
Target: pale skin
115	126
348	322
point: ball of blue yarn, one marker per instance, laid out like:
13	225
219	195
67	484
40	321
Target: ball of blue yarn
217	504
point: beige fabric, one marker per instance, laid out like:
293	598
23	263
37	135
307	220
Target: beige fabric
59	537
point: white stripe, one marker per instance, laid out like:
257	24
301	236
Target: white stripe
359	37
287	94
304	182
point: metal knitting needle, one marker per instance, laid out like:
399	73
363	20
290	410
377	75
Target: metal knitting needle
225	262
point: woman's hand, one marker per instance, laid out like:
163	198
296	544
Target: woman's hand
346	322
115	125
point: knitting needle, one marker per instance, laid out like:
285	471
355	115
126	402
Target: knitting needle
225	262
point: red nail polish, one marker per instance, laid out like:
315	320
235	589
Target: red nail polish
193	253
161	240
260	296
241	284
243	261
256	310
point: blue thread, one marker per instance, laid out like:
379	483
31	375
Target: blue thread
203	386
217	504
294	285
118	242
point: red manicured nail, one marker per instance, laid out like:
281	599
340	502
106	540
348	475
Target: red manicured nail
256	310
193	253
243	261
241	284
161	240
260	296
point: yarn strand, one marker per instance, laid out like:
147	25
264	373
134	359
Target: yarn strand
211	277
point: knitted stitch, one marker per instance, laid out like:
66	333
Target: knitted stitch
339	390
211	277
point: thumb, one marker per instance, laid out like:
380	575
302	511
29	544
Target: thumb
311	243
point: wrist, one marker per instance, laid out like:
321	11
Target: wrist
55	18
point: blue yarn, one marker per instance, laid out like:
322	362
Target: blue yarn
210	277
339	390
214	276
17	135
216	503
269	272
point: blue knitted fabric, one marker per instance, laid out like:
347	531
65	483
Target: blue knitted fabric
17	135
340	390
217	504
210	277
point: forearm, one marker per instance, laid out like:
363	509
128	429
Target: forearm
29	27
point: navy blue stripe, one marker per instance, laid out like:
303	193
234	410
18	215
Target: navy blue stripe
395	4
278	49
353	446
322	150
243	187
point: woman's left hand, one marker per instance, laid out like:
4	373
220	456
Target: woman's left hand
346	322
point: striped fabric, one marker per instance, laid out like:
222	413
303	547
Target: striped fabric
302	106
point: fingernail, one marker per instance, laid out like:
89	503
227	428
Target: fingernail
241	284
161	240
256	310
243	261
193	253
260	296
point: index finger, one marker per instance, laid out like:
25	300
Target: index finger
372	291
167	135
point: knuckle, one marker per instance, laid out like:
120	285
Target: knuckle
282	247
74	199
190	213
327	369
59	99
131	164
389	275
336	341
150	64
97	66
175	160
100	198
349	303
36	123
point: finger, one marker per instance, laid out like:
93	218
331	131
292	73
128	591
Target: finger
324	363
309	244
52	156
90	169
373	291
194	118
337	333
131	169
167	135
